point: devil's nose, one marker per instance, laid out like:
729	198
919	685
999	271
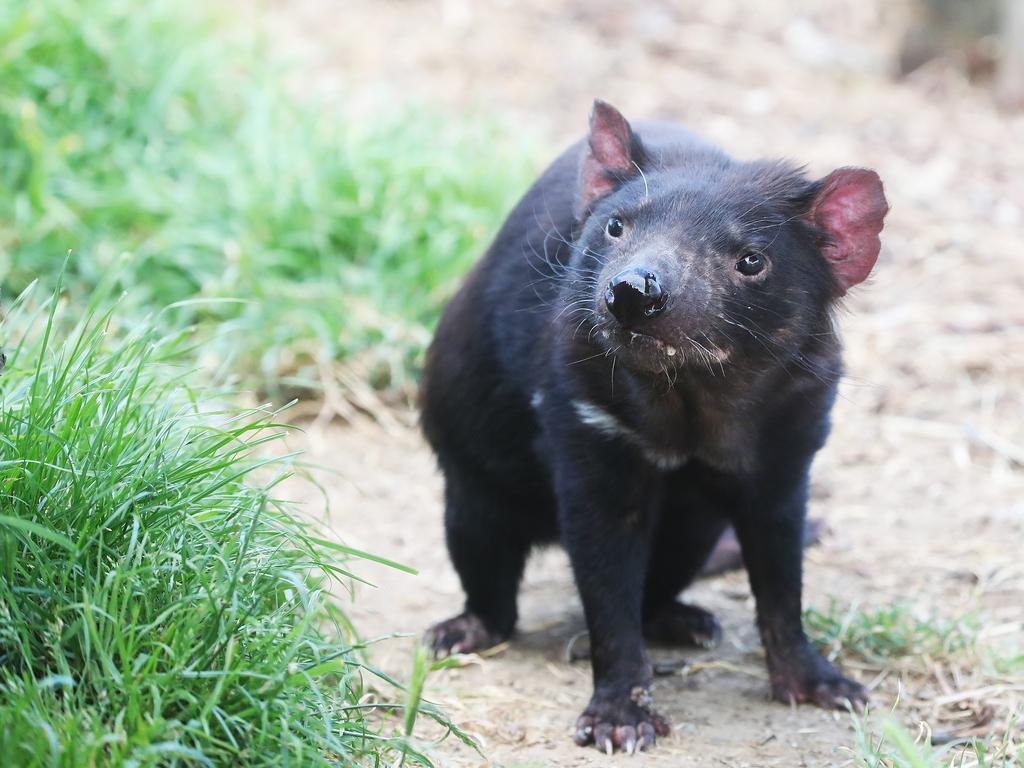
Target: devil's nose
634	295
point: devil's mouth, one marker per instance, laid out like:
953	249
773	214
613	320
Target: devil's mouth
644	343
642	346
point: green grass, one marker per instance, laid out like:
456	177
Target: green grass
904	646
888	632
881	742
158	604
156	143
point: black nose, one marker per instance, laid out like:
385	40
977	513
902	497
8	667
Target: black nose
634	295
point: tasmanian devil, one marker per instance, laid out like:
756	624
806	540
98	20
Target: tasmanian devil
644	356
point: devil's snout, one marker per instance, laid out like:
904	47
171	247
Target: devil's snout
634	296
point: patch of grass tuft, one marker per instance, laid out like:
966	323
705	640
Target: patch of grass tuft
883	743
158	604
943	675
887	632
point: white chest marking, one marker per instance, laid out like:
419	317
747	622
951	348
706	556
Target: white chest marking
605	423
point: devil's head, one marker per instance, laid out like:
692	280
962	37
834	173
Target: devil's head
696	259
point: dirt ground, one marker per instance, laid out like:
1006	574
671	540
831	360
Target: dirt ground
922	483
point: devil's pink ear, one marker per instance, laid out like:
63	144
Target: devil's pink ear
849	209
609	158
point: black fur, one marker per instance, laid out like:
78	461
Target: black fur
721	432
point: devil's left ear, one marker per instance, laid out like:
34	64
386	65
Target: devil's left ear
848	209
612	155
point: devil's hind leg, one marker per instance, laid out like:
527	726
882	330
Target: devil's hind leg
488	545
686	535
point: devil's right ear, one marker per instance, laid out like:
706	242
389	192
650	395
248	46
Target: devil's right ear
849	209
611	157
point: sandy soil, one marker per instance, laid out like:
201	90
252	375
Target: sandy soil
922	483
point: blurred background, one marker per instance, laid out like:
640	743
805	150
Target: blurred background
304	182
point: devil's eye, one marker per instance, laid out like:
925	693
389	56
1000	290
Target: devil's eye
750	264
614	227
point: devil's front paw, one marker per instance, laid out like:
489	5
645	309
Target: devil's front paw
625	721
464	633
802	676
